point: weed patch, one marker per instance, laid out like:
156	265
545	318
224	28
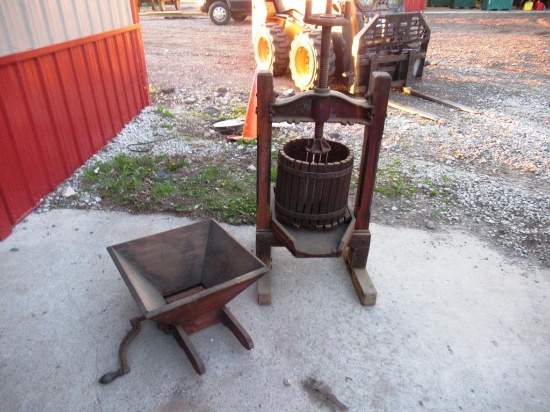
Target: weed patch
164	112
392	181
172	185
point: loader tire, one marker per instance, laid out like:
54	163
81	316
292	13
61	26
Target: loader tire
271	48
305	60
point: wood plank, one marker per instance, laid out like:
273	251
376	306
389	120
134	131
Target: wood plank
336	167
359	247
326	195
200	321
159	259
301	193
292	194
200	310
264	289
263	144
185	343
439	100
312	186
184	294
318	194
287	199
263	252
311	243
380	90
413	110
363	286
231	323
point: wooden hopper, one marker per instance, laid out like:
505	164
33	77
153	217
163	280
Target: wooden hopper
182	279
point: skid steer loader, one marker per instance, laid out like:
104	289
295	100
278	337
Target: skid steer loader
375	37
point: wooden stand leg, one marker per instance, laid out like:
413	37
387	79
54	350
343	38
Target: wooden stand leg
363	286
379	90
263	181
264	289
192	354
356	259
263	252
234	326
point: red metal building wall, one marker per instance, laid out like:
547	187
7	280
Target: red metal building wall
58	106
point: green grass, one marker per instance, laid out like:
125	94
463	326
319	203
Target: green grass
200	115
228	197
394	182
233	111
391	181
149	184
164	112
163	184
437	189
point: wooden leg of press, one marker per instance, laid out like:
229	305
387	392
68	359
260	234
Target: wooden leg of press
356	257
264	289
263	252
234	326
185	343
363	286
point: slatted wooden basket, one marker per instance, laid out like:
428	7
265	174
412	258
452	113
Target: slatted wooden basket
313	194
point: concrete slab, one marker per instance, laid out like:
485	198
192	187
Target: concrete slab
455	328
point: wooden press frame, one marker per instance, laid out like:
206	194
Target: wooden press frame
353	241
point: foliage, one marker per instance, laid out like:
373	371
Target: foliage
169	184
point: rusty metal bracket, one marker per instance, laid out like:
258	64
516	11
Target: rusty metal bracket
342	108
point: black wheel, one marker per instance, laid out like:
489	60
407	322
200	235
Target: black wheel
271	48
238	16
219	13
177	4
305	60
162	4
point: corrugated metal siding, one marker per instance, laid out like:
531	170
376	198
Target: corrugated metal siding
5	226
31	24
58	106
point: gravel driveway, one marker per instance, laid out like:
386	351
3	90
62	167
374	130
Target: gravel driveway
486	173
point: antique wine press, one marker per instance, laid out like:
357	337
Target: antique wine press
307	210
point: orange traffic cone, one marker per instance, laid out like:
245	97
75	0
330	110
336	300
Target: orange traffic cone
250	127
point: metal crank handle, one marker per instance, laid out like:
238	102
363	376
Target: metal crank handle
111	376
124	367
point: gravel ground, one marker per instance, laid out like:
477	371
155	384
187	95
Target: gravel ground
486	173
